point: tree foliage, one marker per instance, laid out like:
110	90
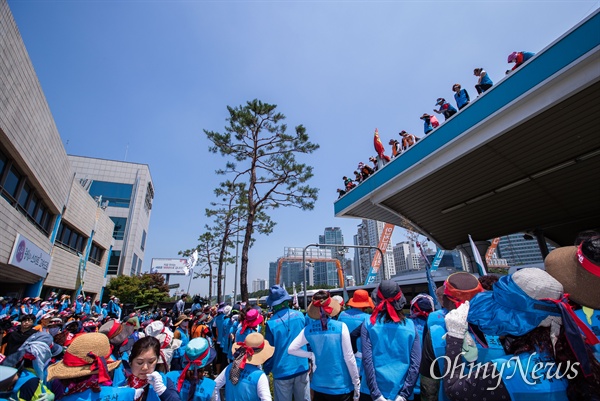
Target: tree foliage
147	289
262	155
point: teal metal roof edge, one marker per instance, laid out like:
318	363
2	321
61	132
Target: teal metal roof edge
567	49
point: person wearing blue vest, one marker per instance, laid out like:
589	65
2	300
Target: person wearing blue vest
420	308
87	305
243	379
79	305
461	96
142	376
429	123
249	322
290	373
85	372
110	307
234	324
390	346
547	358
518	58
103	311
97	309
65	302
180	333
118	334
8	378
217	330
445	108
577	268
361	306
458	288
191	383
483	80
335	375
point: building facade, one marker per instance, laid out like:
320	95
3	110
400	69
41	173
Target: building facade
126	191
54	237
259	284
405	257
519	250
368	234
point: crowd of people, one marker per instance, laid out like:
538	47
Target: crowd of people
430	122
530	335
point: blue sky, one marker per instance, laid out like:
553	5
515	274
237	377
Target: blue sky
141	80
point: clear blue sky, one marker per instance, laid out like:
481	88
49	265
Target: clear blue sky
141	80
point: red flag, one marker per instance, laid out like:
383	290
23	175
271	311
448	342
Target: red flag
379	147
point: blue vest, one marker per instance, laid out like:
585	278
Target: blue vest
285	325
78	307
179	352
245	389
219	325
106	393
97	309
24	377
486	80
232	330
353	318
239	336
333	377
225	324
391	345
493	351
119	378
542	388
461	98
204	389
527	55
87	308
419	326
427	127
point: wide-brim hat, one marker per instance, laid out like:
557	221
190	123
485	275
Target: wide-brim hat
116	332
262	349
253	318
277	295
314	312
581	284
425	115
361	299
440	101
512	57
6	374
79	348
181	319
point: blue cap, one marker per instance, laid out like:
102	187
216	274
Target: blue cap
195	349
277	295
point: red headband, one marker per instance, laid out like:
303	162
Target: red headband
249	351
114	329
586	263
324	304
460	296
387	302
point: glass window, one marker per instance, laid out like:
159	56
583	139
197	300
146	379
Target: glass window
12	181
39	216
143	244
139	267
32	205
80	244
3	162
66	234
113	263
119	230
117	195
74	241
134	264
24	195
95	254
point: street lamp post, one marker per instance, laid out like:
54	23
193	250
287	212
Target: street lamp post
331	246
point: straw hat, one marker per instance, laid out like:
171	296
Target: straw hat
262	349
314	311
568	266
79	349
182	318
361	299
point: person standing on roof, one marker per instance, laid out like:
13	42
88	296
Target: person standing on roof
429	123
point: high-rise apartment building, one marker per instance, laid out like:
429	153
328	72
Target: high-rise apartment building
127	192
326	272
405	257
368	234
259	284
520	249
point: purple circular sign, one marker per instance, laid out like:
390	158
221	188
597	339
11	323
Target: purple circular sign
21	251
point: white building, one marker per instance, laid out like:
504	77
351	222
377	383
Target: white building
127	191
405	257
259	284
368	234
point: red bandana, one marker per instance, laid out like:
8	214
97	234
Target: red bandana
190	362
387	302
136	382
323	304
99	364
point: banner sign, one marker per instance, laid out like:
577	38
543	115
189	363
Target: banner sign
28	256
437	259
384	241
169	266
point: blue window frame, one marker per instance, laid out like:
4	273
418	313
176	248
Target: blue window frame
117	194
